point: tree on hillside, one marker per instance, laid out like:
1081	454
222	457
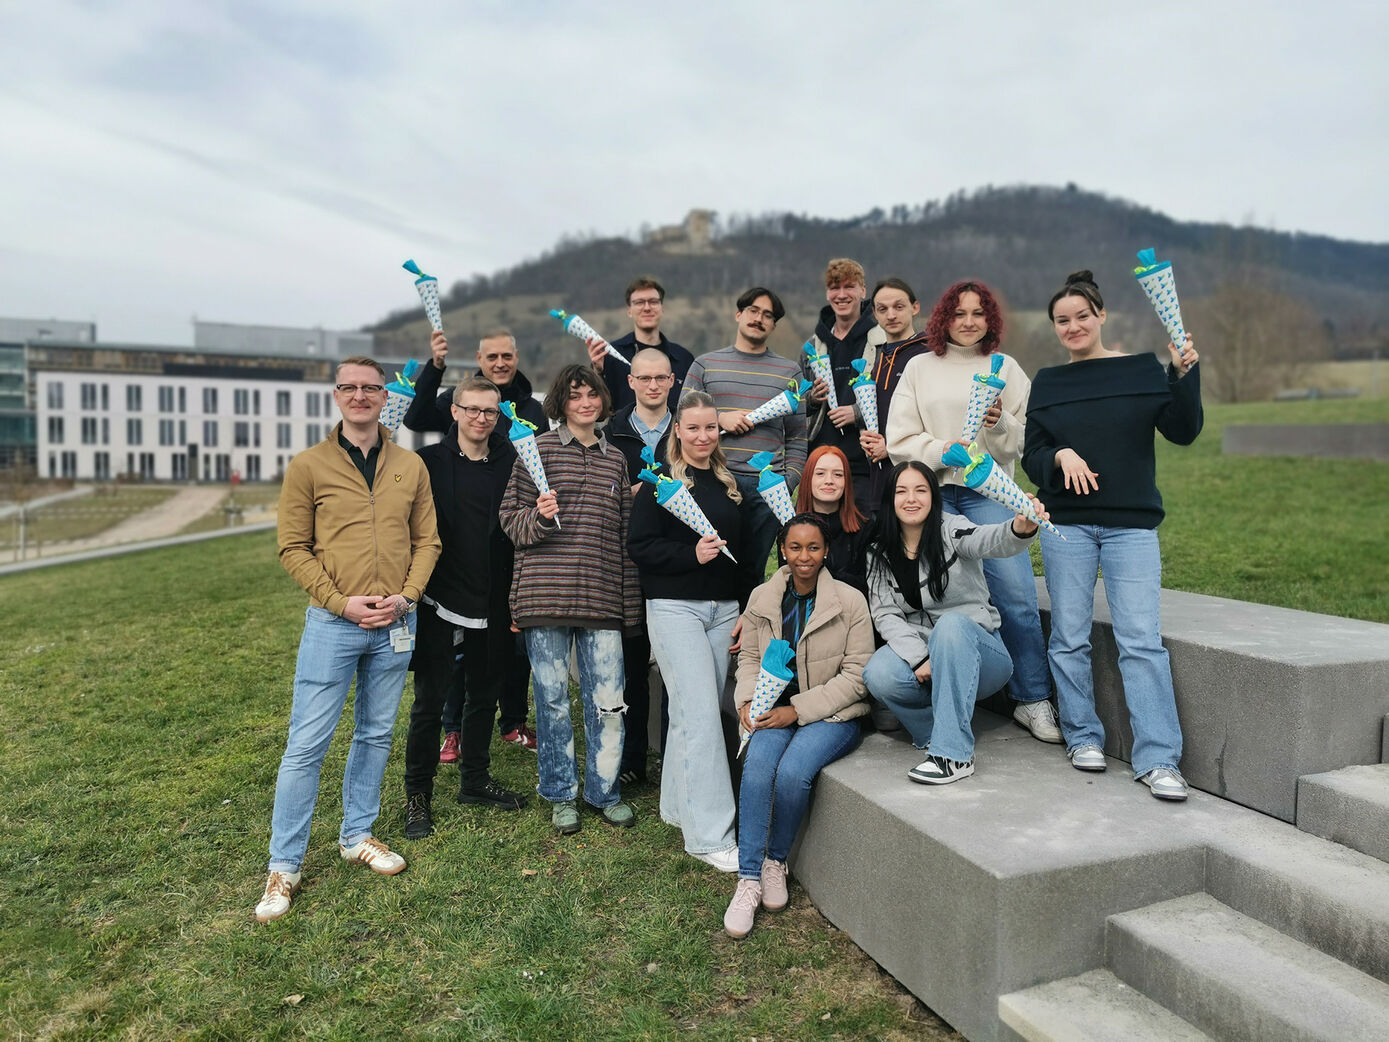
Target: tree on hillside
1252	340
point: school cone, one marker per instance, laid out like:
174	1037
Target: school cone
783	404
866	394
428	288
987	478
820	366
675	497
575	326
771	682
1160	285
522	435
400	393
984	390
771	486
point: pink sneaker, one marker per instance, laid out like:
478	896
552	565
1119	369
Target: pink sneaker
448	752
774	896
522	736
737	921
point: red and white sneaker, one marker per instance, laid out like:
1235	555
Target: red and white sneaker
448	752
378	857
522	736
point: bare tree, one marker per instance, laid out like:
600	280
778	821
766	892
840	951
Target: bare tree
1252	339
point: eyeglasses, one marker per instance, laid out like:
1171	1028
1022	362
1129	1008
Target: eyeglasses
664	378
351	389
473	412
652	302
755	312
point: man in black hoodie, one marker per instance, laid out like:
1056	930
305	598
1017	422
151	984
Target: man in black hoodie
464	605
847	330
645	307
432	410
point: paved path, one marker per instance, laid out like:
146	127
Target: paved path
158	522
43	501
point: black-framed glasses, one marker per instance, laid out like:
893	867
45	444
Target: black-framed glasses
653	302
351	389
755	312
473	412
663	378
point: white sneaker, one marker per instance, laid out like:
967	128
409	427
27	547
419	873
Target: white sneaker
1166	783
378	857
1040	719
725	860
279	891
1087	758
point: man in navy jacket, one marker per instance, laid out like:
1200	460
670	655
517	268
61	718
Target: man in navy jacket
645	306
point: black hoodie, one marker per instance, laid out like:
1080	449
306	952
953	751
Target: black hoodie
842	353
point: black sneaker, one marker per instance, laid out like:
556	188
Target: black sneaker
418	822
491	794
937	770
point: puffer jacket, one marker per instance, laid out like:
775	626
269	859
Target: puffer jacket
836	645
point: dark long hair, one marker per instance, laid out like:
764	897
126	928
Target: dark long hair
887	544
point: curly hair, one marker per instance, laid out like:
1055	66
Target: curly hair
938	325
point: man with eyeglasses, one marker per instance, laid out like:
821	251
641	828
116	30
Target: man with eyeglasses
642	424
464	608
357	531
497	360
645	307
740	378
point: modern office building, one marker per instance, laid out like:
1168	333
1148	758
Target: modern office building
18	442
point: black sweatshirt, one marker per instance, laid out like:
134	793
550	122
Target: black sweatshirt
1106	410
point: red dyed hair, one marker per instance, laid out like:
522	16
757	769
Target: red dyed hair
850	518
938	325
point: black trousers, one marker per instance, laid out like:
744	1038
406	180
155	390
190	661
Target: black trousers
515	697
486	661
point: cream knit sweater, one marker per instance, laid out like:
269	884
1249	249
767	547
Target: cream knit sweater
928	410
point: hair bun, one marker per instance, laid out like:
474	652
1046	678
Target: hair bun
1084	275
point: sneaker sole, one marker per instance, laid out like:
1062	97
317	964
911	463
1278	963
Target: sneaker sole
734	935
375	870
271	918
415	834
776	908
1058	740
924	780
567	830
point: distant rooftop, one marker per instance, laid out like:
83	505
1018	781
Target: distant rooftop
20	330
284	341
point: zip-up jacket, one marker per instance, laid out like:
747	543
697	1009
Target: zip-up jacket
622	435
615	375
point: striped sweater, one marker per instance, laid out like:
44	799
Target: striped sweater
741	381
576	573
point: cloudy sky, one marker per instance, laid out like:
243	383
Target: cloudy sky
274	163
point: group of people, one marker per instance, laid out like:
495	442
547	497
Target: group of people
904	595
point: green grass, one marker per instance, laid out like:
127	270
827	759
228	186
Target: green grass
248	497
84	516
144	703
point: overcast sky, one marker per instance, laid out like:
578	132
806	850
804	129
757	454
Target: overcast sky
275	163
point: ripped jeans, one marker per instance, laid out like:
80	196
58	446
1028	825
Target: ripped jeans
600	685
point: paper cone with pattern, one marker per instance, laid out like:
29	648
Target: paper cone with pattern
771	486
428	288
783	404
575	326
1160	284
820	366
984	390
866	394
987	478
400	393
771	682
675	497
522	435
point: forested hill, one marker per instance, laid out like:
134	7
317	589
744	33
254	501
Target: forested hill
1022	240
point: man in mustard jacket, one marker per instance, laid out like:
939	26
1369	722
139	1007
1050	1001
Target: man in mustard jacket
357	532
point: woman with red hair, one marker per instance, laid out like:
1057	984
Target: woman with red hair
927	417
827	490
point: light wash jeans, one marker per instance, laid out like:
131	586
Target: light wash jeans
967	663
1132	568
780	768
331	652
1014	593
600	687
690	639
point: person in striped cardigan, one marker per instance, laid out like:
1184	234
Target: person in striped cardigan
574	587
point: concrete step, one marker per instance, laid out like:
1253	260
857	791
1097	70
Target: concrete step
1093	1007
1235	977
1349	806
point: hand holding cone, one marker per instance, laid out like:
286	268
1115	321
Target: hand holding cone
1160	284
576	326
984	476
820	366
400	392
522	435
866	394
783	404
428	287
771	682
984	390
771	486
675	497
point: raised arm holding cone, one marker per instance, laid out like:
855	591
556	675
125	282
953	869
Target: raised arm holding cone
577	327
1160	285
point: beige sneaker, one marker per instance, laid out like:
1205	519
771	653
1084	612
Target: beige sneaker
774	895
279	891
737	921
378	857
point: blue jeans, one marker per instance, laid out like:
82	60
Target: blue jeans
690	639
779	770
331	652
762	525
600	686
1014	593
967	663
1132	568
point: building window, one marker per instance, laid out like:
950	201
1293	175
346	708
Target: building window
146	466
281	403
88	430
133	398
255	435
106	430
210	433
252	468
55	431
327	403
69	464
166	432
105	397
101	466
210	401
178	466
134	432
55	395
183	399
89	396
283	436
313	433
182	432
255	403
241	434
311	404
241	402
223	466
166	399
